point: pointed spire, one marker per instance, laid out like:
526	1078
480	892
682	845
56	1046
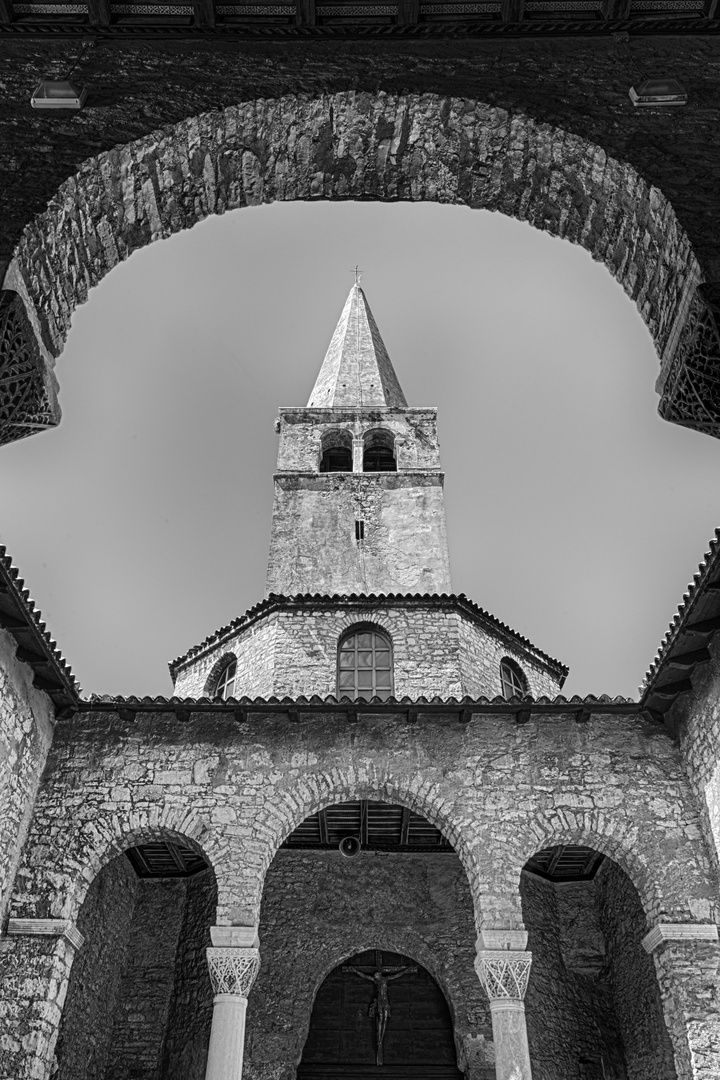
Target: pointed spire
356	370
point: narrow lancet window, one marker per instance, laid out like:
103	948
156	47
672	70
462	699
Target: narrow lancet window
365	665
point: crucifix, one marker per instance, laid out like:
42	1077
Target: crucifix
380	1007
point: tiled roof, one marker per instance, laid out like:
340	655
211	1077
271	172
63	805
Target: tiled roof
20	617
464	706
685	643
275	602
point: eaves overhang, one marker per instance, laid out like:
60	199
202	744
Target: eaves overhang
456	602
20	617
686	643
408	710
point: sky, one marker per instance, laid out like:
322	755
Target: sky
575	515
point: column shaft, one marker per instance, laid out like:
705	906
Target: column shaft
512	1056
227	1038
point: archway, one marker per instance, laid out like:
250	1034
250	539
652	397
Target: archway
593	1004
380	1015
139	1001
404	893
355	145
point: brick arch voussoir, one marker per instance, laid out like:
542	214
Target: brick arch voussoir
99	842
351	144
315	792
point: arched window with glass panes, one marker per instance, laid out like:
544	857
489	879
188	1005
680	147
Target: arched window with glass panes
512	677
225	683
365	666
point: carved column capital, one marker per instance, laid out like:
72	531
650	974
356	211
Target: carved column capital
233	970
504	973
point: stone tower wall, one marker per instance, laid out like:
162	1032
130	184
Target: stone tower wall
436	652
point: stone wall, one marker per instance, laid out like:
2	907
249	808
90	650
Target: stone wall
313	548
139	1003
85	1043
593	1005
635	989
437	650
561	166
319	908
498	789
186	1042
26	728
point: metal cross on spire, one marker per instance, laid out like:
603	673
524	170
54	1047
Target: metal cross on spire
358	275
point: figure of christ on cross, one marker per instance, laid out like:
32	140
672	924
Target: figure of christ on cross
380	1007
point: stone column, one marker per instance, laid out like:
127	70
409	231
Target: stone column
687	962
234	961
503	967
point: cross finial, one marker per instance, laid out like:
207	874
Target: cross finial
358	275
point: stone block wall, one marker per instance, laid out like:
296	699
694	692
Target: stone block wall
139	1002
313	546
301	433
593	1006
499	790
26	728
84	1048
319	909
437	651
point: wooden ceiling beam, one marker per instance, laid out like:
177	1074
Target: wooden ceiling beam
204	13
689	659
712	11
176	856
615	10
323	827
405	827
364	822
99	12
552	866
305	12
408	12
512	11
6	11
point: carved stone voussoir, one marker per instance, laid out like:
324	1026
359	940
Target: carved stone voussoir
503	973
233	970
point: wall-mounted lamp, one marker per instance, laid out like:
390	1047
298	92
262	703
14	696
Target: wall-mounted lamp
658	93
51	94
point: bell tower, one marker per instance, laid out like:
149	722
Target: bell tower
358	490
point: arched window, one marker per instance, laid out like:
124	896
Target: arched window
225	685
336	452
379	452
365	665
512	677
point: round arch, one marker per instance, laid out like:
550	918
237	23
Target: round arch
315	792
93	844
355	145
689	896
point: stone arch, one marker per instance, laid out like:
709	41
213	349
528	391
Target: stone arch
385	940
215	670
688	895
94	843
319	790
360	145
